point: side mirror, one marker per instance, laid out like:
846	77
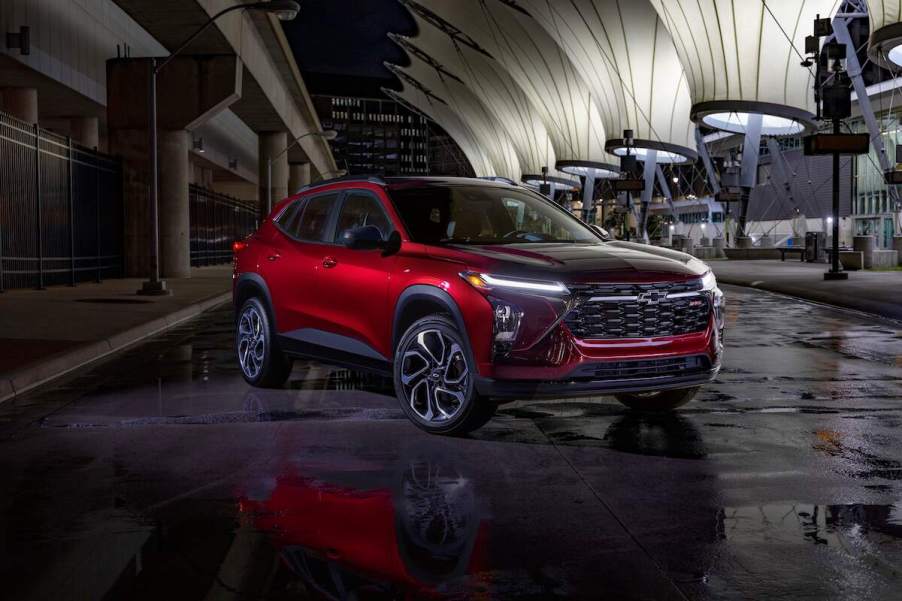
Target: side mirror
367	237
602	232
392	245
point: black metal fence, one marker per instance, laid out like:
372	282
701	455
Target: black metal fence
60	209
217	221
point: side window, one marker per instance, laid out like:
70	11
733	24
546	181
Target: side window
315	218
360	209
288	220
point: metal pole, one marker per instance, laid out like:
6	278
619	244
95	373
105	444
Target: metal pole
154	184
97	218
37	189
629	211
268	187
834	267
71	213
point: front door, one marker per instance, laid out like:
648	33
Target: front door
355	283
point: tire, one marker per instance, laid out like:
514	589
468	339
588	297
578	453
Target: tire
262	362
661	400
434	379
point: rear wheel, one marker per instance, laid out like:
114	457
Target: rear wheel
659	400
261	360
434	380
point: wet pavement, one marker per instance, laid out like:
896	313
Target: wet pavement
161	475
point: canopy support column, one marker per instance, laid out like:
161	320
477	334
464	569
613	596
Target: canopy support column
748	175
651	163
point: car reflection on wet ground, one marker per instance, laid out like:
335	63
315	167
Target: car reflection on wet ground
161	475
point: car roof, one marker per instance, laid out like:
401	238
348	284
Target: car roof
398	182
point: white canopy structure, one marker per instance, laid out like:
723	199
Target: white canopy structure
533	60
474	122
491	85
742	61
474	115
885	45
627	58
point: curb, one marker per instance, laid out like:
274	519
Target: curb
21	381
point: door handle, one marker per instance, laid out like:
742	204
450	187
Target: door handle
329	262
274	257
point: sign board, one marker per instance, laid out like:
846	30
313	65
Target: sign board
726	196
820	144
628	185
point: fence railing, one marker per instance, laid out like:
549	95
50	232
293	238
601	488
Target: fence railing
60	209
217	220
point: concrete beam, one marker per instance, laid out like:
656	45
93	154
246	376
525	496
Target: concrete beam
190	91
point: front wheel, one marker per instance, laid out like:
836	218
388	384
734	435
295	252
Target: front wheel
659	400
434	379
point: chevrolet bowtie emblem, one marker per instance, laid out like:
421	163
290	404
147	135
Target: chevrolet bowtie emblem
651	298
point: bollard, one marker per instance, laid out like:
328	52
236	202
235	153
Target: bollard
897	246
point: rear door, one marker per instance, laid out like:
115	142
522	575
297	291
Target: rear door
294	266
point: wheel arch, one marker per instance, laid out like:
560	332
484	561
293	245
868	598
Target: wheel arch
421	300
250	285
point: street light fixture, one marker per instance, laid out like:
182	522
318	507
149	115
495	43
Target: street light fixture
285	10
329	134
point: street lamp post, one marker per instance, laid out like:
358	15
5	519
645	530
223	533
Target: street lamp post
329	134
285	10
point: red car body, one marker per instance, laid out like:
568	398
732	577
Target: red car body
353	305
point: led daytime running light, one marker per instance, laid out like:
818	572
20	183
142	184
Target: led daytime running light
485	280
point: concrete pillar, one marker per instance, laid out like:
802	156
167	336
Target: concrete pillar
867	245
298	176
744	242
175	251
272	144
766	241
85	131
719	245
21	103
705	241
897	246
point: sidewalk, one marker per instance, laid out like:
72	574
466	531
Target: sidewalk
46	333
877	292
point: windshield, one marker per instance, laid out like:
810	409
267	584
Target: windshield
485	215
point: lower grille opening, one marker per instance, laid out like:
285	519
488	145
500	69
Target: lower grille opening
644	368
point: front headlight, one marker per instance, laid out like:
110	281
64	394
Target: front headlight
486	282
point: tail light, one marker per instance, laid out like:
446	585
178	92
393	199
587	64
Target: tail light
238	246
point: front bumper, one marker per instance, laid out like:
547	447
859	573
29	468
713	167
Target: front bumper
599	378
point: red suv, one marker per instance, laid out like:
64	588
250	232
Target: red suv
470	292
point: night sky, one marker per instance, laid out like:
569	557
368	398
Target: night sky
337	42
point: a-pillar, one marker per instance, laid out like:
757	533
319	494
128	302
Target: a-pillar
85	131
272	145
298	176
175	248
21	103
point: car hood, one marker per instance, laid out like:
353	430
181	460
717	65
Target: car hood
578	262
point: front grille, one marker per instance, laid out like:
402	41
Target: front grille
644	368
638	310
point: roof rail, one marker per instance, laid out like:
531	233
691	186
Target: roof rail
374	179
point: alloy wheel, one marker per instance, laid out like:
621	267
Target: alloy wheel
434	375
251	342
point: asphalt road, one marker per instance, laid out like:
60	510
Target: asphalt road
161	475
